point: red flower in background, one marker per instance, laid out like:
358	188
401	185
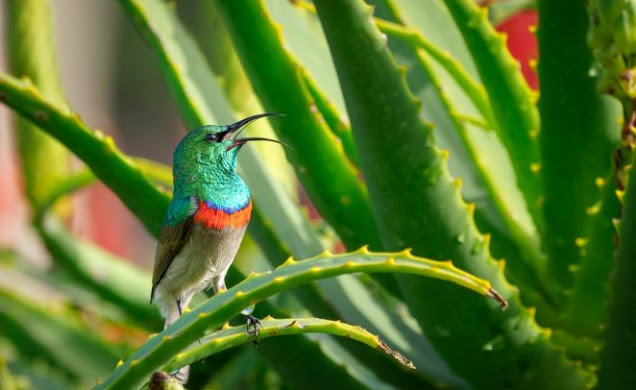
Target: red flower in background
522	43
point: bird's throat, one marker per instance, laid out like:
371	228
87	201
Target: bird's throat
216	218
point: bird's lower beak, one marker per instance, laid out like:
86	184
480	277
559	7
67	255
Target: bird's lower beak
238	126
241	141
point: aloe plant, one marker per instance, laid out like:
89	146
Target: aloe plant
435	170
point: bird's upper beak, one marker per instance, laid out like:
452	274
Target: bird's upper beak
236	128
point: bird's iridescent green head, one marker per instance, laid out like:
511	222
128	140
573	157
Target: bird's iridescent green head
204	162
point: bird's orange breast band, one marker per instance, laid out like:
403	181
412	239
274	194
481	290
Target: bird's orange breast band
219	219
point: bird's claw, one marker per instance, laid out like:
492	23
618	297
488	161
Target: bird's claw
253	324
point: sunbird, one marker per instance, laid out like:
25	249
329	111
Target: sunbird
206	219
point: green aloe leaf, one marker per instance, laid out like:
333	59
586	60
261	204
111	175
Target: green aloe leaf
579	131
334	119
220	308
230	337
617	357
111	278
587	313
56	334
526	266
329	178
517	120
416	204
98	151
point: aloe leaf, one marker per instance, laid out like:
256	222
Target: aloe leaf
531	256
474	90
229	337
579	132
289	356
301	35
489	182
56	335
98	151
417	204
336	122
32	54
491	179
246	371
617	356
329	178
220	308
587	313
517	120
111	278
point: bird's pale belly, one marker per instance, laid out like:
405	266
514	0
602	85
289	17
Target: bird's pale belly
202	261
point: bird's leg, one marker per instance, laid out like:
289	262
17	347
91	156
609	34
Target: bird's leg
178	301
252	323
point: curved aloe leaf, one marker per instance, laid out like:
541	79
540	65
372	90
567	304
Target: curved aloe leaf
526	264
416	203
586	313
111	278
578	134
337	124
158	173
487	175
330	362
530	272
617	357
56	335
98	151
328	176
517	120
229	337
474	90
220	308
32	54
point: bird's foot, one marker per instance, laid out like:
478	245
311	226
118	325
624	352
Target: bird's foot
253	324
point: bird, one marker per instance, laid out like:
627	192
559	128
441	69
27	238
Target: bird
206	219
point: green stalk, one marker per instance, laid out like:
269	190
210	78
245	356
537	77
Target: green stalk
32	54
579	132
158	350
417	204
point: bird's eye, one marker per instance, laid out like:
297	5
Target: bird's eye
211	137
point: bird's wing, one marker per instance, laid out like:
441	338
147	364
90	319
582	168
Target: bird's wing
174	235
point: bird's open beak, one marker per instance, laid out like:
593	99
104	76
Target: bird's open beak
236	128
